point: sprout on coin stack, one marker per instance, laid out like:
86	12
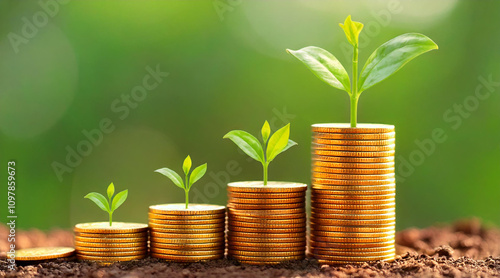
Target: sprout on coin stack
353	181
109	242
187	232
266	220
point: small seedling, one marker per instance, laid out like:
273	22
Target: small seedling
190	177
382	63
266	151
112	203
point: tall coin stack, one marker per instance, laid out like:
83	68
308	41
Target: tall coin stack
187	235
353	193
266	224
101	242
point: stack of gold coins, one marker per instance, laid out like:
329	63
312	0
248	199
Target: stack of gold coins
353	193
187	235
104	243
266	224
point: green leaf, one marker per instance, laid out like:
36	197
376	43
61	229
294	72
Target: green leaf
119	199
277	142
391	56
266	131
172	175
99	200
324	65
247	143
197	174
352	30
111	191
289	145
186	166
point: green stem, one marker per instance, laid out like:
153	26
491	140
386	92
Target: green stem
186	190
265	172
354	93
187	198
110	219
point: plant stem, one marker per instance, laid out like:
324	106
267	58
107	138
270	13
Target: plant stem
187	198
110	219
265	172
186	190
354	94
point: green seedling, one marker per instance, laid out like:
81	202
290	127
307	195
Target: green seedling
190	177
266	151
382	63
112	203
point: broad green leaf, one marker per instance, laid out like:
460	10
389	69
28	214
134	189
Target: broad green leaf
277	142
324	65
111	191
247	143
119	199
352	30
289	145
172	175
391	56
186	166
197	174
99	200
266	130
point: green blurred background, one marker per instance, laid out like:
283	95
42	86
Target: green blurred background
228	69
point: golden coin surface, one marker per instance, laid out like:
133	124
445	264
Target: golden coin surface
323	183
180	258
184	241
328	190
317	210
325	237
355	136
267	259
319	175
318	199
265	206
193	209
325	243
353	258
155	234
292	235
381	148
325	248
191	230
330	252
113	259
186	218
383	165
354	192
80	244
258	201
266	253
257	195
353	154
267	230
115	228
350	171
339	262
337	220
348	159
346	128
182	227
276	248
186	252
243	244
186	222
349	142
115	235
112	253
110	240
43	253
266	225
110	249
270	214
271	187
350	229
194	246
264	221
355	197
352	207
240	240
352	234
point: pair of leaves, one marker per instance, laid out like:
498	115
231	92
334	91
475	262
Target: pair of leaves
273	145
191	177
104	204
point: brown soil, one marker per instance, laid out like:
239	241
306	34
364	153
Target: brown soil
465	249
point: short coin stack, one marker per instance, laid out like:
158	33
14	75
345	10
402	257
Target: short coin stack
266	224
187	235
353	193
104	243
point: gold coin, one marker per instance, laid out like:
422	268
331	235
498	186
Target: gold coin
113	259
125	235
265	201
349	171
270	207
267	259
186	252
324	247
339	262
290	235
243	244
266	253
323	183
187	218
275	248
183	222
318	175
356	259
352	211
110	240
111	253
354	154
353	222
180	258
352	207
267	230
383	148
257	195
319	199
194	246
266	225
260	220
383	165
351	235
354	136
328	189
193	209
191	230
111	249
43	253
183	241
323	235
358	192
329	252
183	227
340	197
239	240
350	229
348	142
326	243
271	187
270	214
348	159
80	244
155	234
346	128
116	228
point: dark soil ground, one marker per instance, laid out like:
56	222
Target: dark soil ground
466	249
